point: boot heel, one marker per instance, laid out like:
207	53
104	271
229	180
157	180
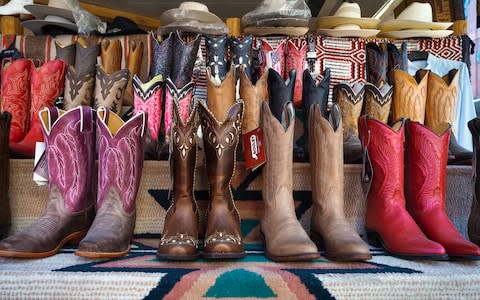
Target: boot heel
317	239
374	239
75	238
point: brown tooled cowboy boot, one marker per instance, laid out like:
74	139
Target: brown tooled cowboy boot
350	100
252	96
329	227
5	213
285	238
223	237
111	54
180	232
120	164
409	95
70	151
377	101
134	65
397	59
109	89
221	96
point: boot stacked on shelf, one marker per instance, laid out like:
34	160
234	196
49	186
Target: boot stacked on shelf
474	218
5	213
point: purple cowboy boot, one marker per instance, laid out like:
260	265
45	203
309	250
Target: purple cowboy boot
120	163
70	150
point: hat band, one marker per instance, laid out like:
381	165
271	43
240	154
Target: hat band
347	26
58	19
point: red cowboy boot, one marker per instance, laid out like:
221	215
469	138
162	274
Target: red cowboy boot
47	84
16	96
427	155
387	222
272	57
296	61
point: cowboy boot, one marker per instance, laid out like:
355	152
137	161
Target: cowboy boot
350	99
272	57
220	97
441	107
376	64
183	60
285	238
86	56
47	83
426	168
79	88
5	213
16	78
65	52
134	64
377	101
120	163
223	237
161	57
240	50
252	96
281	91
70	152
148	98
109	89
387	221
295	60
183	96
409	95
216	47
111	55
474	218
397	60
180	233
329	227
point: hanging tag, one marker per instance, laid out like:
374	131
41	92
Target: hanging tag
254	149
40	169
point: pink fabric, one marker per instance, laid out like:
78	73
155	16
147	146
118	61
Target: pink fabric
184	98
150	102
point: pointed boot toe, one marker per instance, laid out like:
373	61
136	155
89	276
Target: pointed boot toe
178	250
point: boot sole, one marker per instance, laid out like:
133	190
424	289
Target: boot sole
226	255
177	257
345	257
73	238
375	240
96	255
463	257
295	257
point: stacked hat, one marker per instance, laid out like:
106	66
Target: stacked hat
413	22
347	22
58	13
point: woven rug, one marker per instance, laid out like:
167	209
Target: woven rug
140	275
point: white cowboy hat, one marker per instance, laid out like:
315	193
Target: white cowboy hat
189	11
416	16
346	32
347	13
60	8
414	33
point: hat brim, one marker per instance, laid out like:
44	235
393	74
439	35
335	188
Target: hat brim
41	11
396	25
405	34
348	32
194	27
264	31
36	25
177	14
330	22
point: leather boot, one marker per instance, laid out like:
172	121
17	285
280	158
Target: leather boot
409	95
111	54
5	213
376	64
350	99
183	60
285	238
183	96
223	237
120	163
148	97
474	218
296	58
441	107
180	232
79	88
329	227
280	90
387	221
47	83
65	52
377	101
252	96
109	89
86	56
217	59
240	50
70	151
272	57
426	168
220	97
134	65
397	60
161	57
16	78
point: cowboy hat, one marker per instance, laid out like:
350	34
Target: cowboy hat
347	13
415	33
37	25
61	8
348	32
415	16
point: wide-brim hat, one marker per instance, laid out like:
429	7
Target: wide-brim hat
415	16
364	33
37	25
415	33
189	11
276	30
347	13
61	8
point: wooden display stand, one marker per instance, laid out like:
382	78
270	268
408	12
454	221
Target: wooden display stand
10	25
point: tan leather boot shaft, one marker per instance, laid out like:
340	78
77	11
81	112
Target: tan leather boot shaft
285	238
329	226
221	97
252	96
111	55
378	101
134	65
350	99
441	104
79	88
409	95
110	88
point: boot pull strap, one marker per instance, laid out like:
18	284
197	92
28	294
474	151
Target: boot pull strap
87	117
367	170
52	114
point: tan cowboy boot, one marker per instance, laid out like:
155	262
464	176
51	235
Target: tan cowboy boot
285	238
252	96
78	88
221	96
329	227
109	89
377	101
111	54
409	95
134	65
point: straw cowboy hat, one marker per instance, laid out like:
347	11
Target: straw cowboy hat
347	22
57	12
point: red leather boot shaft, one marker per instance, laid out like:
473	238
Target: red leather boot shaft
296	61
272	57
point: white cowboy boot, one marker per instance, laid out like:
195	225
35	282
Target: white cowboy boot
15	7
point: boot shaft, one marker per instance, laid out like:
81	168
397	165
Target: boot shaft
183	96
376	64
240	50
86	56
378	101
441	106
148	98
350	99
5	119
295	60
217	57
111	54
273	58
280	92
221	96
409	95
397	60
110	88
252	96
313	93
183	59
79	88
65	52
